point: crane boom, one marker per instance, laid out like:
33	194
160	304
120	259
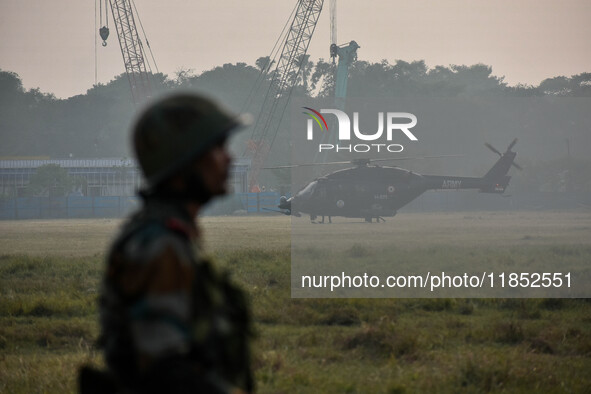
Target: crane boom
283	80
333	21
131	49
347	54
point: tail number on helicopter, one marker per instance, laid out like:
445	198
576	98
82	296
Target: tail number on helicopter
451	184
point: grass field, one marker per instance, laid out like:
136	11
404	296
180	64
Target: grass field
50	272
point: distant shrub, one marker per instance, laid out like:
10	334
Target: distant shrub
552	304
357	251
384	340
539	345
509	333
345	316
438	304
484	376
466	307
40	310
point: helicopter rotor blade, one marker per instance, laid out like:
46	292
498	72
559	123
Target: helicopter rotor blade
489	146
416	157
511	145
306	165
354	161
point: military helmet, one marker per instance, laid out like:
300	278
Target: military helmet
174	131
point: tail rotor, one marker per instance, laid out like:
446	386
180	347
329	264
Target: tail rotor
511	145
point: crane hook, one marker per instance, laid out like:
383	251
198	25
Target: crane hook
104	33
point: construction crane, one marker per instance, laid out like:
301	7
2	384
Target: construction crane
346	54
283	79
132	48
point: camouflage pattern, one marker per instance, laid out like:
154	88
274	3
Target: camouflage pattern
170	322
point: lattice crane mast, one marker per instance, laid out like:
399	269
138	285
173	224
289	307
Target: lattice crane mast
283	79
132	49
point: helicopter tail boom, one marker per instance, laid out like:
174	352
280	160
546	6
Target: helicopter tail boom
484	184
439	182
495	180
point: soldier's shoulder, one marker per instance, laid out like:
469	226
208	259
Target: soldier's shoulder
145	236
141	230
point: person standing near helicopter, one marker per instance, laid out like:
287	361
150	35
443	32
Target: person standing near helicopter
170	322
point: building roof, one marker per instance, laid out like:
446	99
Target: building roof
69	163
87	163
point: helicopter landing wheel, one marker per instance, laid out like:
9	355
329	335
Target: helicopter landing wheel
329	220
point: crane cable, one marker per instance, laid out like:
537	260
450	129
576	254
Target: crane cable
146	38
101	13
258	84
287	97
264	70
95	51
104	30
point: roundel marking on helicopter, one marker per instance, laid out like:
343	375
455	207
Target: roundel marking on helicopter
391	189
340	203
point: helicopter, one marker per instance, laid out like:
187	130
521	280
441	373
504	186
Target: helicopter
370	191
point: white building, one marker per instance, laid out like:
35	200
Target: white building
104	177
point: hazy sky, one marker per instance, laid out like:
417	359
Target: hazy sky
51	44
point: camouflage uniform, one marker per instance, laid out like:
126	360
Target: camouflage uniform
170	322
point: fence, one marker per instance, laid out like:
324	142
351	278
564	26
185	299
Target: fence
115	206
253	203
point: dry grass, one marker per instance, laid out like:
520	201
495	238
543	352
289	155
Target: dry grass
419	230
50	271
88	237
66	238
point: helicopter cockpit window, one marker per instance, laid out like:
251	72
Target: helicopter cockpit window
308	190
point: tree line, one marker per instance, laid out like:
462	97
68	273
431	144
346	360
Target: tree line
96	123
